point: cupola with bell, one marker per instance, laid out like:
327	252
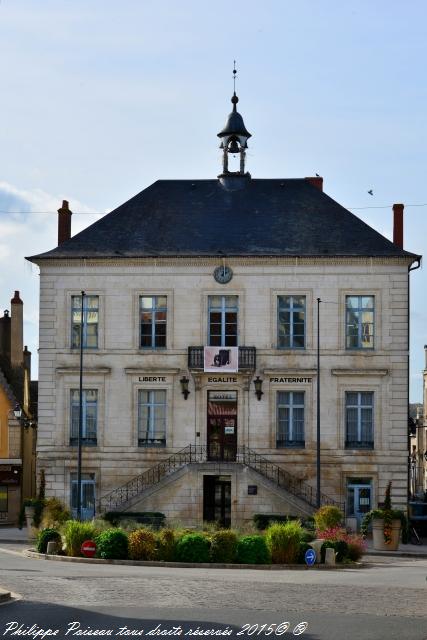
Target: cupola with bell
234	137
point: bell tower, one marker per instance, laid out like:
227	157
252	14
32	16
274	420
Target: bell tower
234	137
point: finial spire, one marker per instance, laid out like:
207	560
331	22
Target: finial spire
234	99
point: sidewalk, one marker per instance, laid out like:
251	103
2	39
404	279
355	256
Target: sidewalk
13	534
404	551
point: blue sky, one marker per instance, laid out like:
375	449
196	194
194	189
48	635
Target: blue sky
101	98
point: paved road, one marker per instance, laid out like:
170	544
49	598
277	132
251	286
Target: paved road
387	600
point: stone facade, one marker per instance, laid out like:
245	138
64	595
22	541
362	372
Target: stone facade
119	368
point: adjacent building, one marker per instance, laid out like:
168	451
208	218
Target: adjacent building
419	444
197	302
18	419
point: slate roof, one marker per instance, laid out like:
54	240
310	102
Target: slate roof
271	217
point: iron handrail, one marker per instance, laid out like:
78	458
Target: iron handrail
284	479
192	454
152	476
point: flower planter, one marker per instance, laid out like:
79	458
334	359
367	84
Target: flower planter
29	517
378	535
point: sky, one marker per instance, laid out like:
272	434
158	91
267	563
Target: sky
99	99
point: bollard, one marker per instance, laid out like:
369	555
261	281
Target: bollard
329	556
52	548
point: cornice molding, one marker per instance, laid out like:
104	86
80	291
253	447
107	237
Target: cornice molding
207	261
87	371
283	372
360	372
153	371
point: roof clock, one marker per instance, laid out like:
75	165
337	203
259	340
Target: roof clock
223	274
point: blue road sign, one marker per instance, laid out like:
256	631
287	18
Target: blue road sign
310	557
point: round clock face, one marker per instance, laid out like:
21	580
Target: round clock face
223	274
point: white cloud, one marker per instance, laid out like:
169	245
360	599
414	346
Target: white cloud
25	231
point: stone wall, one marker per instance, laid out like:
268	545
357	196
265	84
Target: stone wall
117	367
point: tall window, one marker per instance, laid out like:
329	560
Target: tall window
90	416
153	316
360	322
359	409
223	313
151	418
3	498
290	419
291	322
90	321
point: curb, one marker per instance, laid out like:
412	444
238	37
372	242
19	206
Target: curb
396	554
29	553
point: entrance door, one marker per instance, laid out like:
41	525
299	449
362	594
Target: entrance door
222	425
217	500
359	499
87	496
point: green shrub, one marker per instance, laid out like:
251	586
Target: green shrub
75	533
263	520
224	546
307	535
252	550
112	544
142	545
153	519
193	547
283	541
54	513
44	536
328	517
303	547
166	545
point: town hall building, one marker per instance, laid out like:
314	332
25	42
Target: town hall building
197	303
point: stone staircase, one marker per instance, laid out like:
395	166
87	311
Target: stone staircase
123	497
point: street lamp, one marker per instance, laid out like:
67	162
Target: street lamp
258	387
318	404
80	438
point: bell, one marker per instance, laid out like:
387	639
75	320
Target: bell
233	147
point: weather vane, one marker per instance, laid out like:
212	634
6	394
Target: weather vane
234	76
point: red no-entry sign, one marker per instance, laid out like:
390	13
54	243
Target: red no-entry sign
88	548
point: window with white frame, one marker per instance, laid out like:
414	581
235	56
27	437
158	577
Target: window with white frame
89	416
153	322
90	321
290	419
360	322
359	417
223	317
291	322
151	418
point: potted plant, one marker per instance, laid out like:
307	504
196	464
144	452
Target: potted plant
387	523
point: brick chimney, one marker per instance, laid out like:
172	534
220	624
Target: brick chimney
5	335
316	181
64	223
398	225
16	331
